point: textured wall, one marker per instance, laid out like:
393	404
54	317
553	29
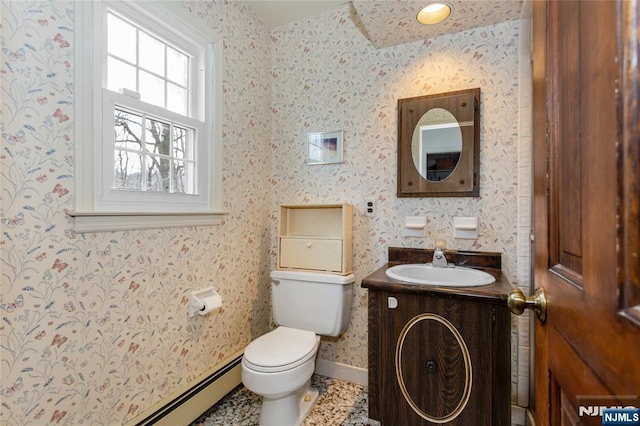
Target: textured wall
327	77
94	326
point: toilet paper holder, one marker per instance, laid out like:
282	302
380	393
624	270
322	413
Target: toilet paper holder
197	298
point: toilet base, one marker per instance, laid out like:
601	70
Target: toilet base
307	402
290	410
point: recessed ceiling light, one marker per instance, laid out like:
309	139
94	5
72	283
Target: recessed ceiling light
434	13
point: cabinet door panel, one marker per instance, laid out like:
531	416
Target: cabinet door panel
440	350
433	367
310	253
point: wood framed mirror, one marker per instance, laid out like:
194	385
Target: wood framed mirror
439	145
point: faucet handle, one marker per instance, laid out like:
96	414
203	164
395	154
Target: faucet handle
439	258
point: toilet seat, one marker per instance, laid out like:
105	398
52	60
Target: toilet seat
281	349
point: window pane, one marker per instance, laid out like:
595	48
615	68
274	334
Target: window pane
177	67
151	89
183	177
158	174
128	129
176	99
126	170
157	138
182	143
121	38
151	53
120	75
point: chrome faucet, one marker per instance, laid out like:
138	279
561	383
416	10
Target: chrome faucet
439	258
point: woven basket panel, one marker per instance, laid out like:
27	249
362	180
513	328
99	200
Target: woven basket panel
304	253
316	222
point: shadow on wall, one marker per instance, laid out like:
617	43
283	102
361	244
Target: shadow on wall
262	301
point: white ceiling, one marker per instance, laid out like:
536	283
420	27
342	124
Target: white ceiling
392	22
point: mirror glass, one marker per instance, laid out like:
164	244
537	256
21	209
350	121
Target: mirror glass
436	144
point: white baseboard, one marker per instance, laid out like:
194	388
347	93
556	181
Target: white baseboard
343	372
517	415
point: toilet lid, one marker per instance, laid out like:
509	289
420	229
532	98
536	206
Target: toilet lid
281	349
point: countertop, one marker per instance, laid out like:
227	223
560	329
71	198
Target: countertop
495	293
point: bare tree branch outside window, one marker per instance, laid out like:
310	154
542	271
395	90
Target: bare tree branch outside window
157	149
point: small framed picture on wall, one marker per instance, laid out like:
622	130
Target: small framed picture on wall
325	148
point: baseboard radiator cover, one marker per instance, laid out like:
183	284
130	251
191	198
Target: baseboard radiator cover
186	405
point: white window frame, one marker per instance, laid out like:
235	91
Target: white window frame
100	208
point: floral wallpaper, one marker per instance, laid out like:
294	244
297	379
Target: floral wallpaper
327	76
94	327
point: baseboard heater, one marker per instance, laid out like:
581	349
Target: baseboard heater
183	407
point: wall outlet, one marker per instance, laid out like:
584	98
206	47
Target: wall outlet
369	207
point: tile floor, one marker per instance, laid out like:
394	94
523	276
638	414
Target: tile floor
340	403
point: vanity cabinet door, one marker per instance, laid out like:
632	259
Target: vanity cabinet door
435	362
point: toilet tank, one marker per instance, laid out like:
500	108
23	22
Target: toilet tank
312	301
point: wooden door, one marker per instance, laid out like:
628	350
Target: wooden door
586	208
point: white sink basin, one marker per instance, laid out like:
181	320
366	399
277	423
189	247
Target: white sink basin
457	276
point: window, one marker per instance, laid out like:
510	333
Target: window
151	153
151	93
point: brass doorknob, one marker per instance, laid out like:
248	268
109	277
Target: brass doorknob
518	302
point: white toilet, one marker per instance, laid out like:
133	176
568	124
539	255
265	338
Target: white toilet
278	365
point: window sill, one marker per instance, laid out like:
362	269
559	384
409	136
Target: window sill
91	221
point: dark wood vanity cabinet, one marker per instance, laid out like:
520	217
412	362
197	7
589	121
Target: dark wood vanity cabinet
438	359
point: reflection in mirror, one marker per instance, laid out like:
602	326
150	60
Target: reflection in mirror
436	144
